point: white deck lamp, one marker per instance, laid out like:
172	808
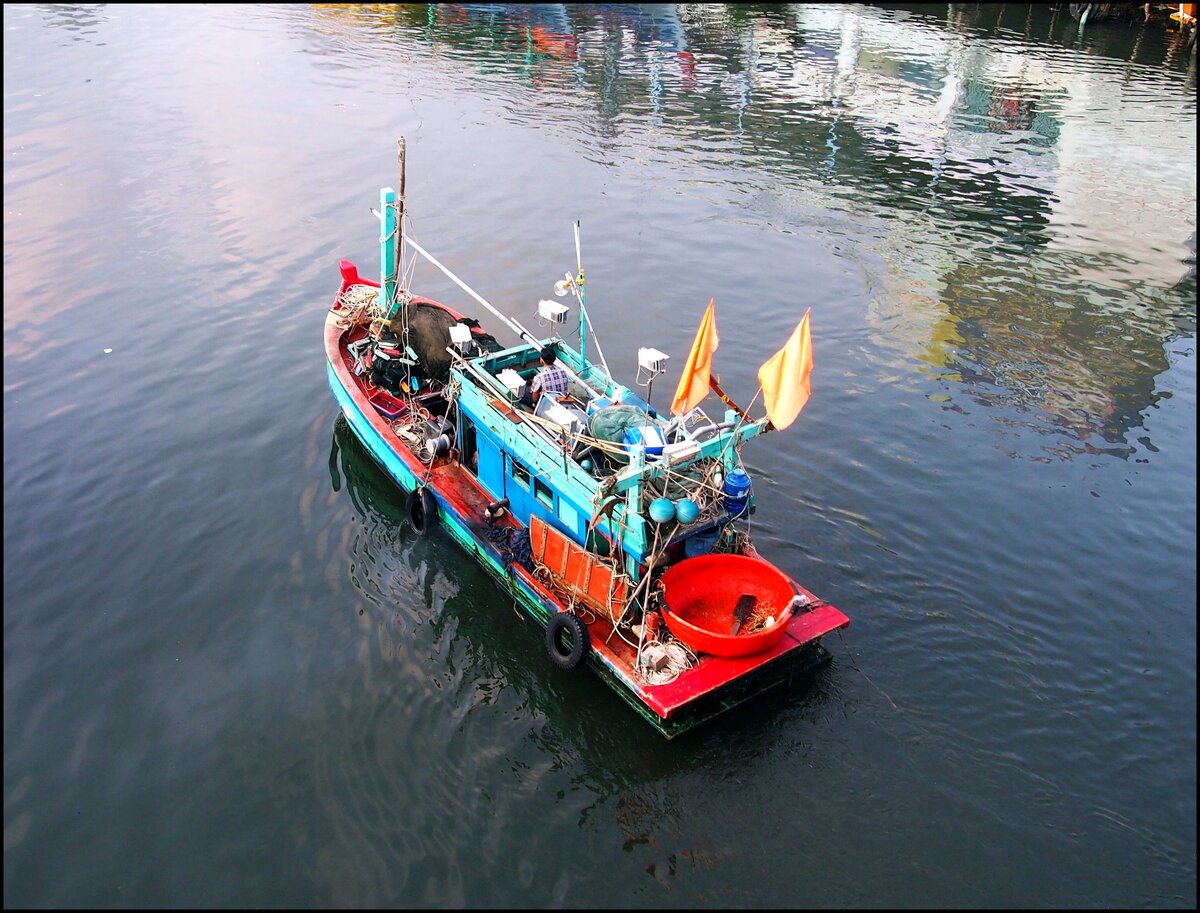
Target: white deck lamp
651	363
552	311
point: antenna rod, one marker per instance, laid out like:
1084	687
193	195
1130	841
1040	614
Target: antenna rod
583	321
391	223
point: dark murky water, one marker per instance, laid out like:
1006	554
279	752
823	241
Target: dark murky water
232	677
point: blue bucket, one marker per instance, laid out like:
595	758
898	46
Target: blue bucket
701	543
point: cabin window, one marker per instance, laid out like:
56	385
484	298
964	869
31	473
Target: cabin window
568	514
468	452
519	473
542	492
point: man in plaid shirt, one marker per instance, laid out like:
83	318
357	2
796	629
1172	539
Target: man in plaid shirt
550	379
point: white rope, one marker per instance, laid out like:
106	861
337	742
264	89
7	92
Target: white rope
679	660
360	304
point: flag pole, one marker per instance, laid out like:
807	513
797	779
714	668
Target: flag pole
716	388
745	417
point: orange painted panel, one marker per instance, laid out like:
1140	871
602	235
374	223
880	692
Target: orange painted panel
584	575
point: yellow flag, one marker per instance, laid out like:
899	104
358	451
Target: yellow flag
785	376
693	383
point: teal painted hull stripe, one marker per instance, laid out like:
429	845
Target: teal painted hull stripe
369	436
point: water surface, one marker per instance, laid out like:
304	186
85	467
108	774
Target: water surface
234	677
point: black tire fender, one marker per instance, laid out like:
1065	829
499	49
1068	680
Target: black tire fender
567	640
422	511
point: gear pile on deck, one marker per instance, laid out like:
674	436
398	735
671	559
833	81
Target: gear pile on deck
623	532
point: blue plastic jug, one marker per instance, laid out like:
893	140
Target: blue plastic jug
737	491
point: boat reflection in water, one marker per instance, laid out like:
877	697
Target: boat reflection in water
967	168
423	599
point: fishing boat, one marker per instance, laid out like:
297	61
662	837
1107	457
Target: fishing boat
623	533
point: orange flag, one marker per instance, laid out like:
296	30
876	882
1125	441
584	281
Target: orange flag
785	376
693	383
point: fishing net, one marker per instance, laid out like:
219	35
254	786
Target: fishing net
611	423
429	335
514	544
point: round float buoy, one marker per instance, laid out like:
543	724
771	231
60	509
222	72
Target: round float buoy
686	511
422	510
567	640
662	510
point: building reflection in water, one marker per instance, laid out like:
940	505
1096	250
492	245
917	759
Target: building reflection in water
999	183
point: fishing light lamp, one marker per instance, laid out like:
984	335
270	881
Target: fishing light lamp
652	360
651	363
512	381
552	311
460	335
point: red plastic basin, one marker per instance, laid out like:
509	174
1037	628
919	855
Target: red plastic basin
699	596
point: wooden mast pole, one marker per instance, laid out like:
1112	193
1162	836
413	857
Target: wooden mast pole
400	216
391	269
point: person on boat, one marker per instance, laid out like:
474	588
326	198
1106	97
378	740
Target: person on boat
550	379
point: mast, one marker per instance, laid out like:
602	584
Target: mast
577	283
391	240
400	213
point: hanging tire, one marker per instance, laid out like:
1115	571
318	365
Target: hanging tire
567	640
422	510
